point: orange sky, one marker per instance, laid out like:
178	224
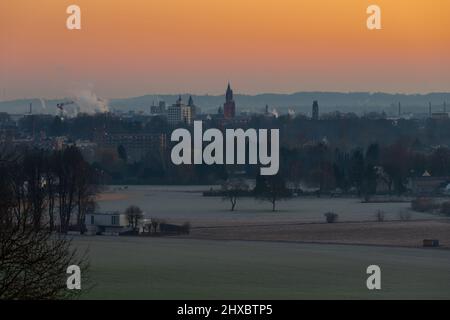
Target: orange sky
134	47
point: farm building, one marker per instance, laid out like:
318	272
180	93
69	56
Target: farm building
109	223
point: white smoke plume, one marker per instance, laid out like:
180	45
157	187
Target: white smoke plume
291	112
88	102
85	101
43	104
275	113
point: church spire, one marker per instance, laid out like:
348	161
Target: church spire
229	94
229	108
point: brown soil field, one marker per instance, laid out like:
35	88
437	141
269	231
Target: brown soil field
392	233
111	197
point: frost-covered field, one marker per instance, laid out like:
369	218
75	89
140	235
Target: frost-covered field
186	203
174	268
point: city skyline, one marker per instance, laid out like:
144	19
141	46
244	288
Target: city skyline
260	46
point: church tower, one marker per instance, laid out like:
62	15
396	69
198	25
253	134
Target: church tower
229	108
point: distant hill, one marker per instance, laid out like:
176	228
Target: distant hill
358	102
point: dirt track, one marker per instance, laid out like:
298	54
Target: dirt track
396	233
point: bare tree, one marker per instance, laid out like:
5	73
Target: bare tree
233	189
87	188
66	169
155	222
134	215
33	260
271	189
33	263
50	184
73	184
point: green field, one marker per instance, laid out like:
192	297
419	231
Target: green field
142	268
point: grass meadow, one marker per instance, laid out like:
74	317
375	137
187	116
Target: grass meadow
170	268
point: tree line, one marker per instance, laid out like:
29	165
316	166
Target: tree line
43	195
362	171
326	170
52	188
328	152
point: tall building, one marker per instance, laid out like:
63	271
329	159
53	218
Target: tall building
181	113
194	109
158	109
174	113
229	108
315	110
191	101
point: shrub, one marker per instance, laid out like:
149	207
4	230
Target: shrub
423	205
445	208
186	227
380	215
331	217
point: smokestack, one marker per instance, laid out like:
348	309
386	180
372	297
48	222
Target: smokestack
315	110
445	107
399	109
33	121
429	109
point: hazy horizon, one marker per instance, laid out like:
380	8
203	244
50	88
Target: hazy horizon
237	93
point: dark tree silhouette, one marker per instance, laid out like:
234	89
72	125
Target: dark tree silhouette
233	189
371	172
134	215
122	152
33	259
357	170
271	189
